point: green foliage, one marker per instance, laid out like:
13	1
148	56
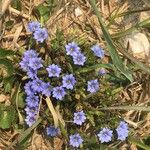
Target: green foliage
7	116
4	53
44	12
113	52
7	65
17	5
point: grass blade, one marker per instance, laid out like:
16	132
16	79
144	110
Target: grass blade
113	52
140	144
136	108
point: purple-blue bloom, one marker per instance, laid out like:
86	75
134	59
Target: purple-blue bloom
75	140
93	86
53	70
105	135
32	73
47	89
35	63
24	64
72	49
32	101
33	26
122	131
41	34
79	59
98	51
59	92
37	85
68	81
30	54
28	88
79	118
102	71
31	111
30	120
52	131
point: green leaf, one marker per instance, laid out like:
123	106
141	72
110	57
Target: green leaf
90	68
8	83
139	144
44	12
113	52
7	117
5	53
17	4
7	64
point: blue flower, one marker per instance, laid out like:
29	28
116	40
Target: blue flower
93	86
30	54
41	34
79	118
37	85
98	51
102	71
72	49
32	73
32	101
24	64
79	59
35	63
33	26
28	88
59	92
30	120
53	70
69	81
122	131
52	131
105	135
47	89
75	140
31	111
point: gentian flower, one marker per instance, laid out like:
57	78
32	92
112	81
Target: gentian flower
30	120
122	131
28	88
75	140
52	131
59	92
32	101
47	89
98	51
79	59
41	34
35	63
69	81
33	26
53	70
31	111
37	85
102	71
79	118
72	49
93	86
105	135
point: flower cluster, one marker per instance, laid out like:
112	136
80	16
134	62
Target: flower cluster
31	63
105	135
73	50
39	34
